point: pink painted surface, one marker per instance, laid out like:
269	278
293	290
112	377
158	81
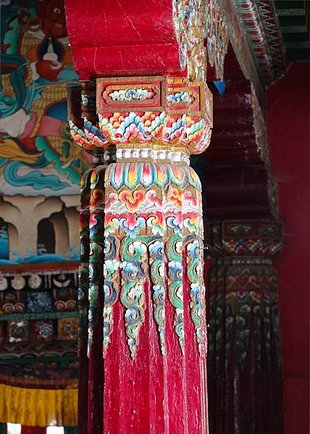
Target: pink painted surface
289	138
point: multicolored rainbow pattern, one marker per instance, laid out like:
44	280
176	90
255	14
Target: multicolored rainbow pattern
177	115
141	217
145	220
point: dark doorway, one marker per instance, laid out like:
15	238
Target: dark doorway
46	237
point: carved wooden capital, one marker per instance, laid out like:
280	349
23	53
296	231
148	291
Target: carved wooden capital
244	238
153	113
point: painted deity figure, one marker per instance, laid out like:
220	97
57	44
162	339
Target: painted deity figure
36	151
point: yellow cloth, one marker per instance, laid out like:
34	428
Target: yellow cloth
38	407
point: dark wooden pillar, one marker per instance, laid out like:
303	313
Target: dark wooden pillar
244	358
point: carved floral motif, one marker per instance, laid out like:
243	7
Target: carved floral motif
196	21
217	37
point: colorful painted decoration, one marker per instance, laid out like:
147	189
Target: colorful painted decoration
150	216
217	37
245	238
142	295
190	28
260	24
244	323
37	156
141	216
195	22
178	114
38	335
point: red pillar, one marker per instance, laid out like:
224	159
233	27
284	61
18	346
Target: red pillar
142	282
141	234
244	355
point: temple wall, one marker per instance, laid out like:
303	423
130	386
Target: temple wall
289	136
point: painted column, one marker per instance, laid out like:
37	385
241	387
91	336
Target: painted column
143	108
244	356
142	293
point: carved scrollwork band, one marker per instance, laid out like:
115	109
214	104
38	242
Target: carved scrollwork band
244	238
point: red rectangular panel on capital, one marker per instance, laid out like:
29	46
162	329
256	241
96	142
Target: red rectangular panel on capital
131	94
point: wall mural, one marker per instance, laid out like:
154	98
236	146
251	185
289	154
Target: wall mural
37	156
40	171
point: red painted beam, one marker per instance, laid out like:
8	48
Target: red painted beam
122	38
